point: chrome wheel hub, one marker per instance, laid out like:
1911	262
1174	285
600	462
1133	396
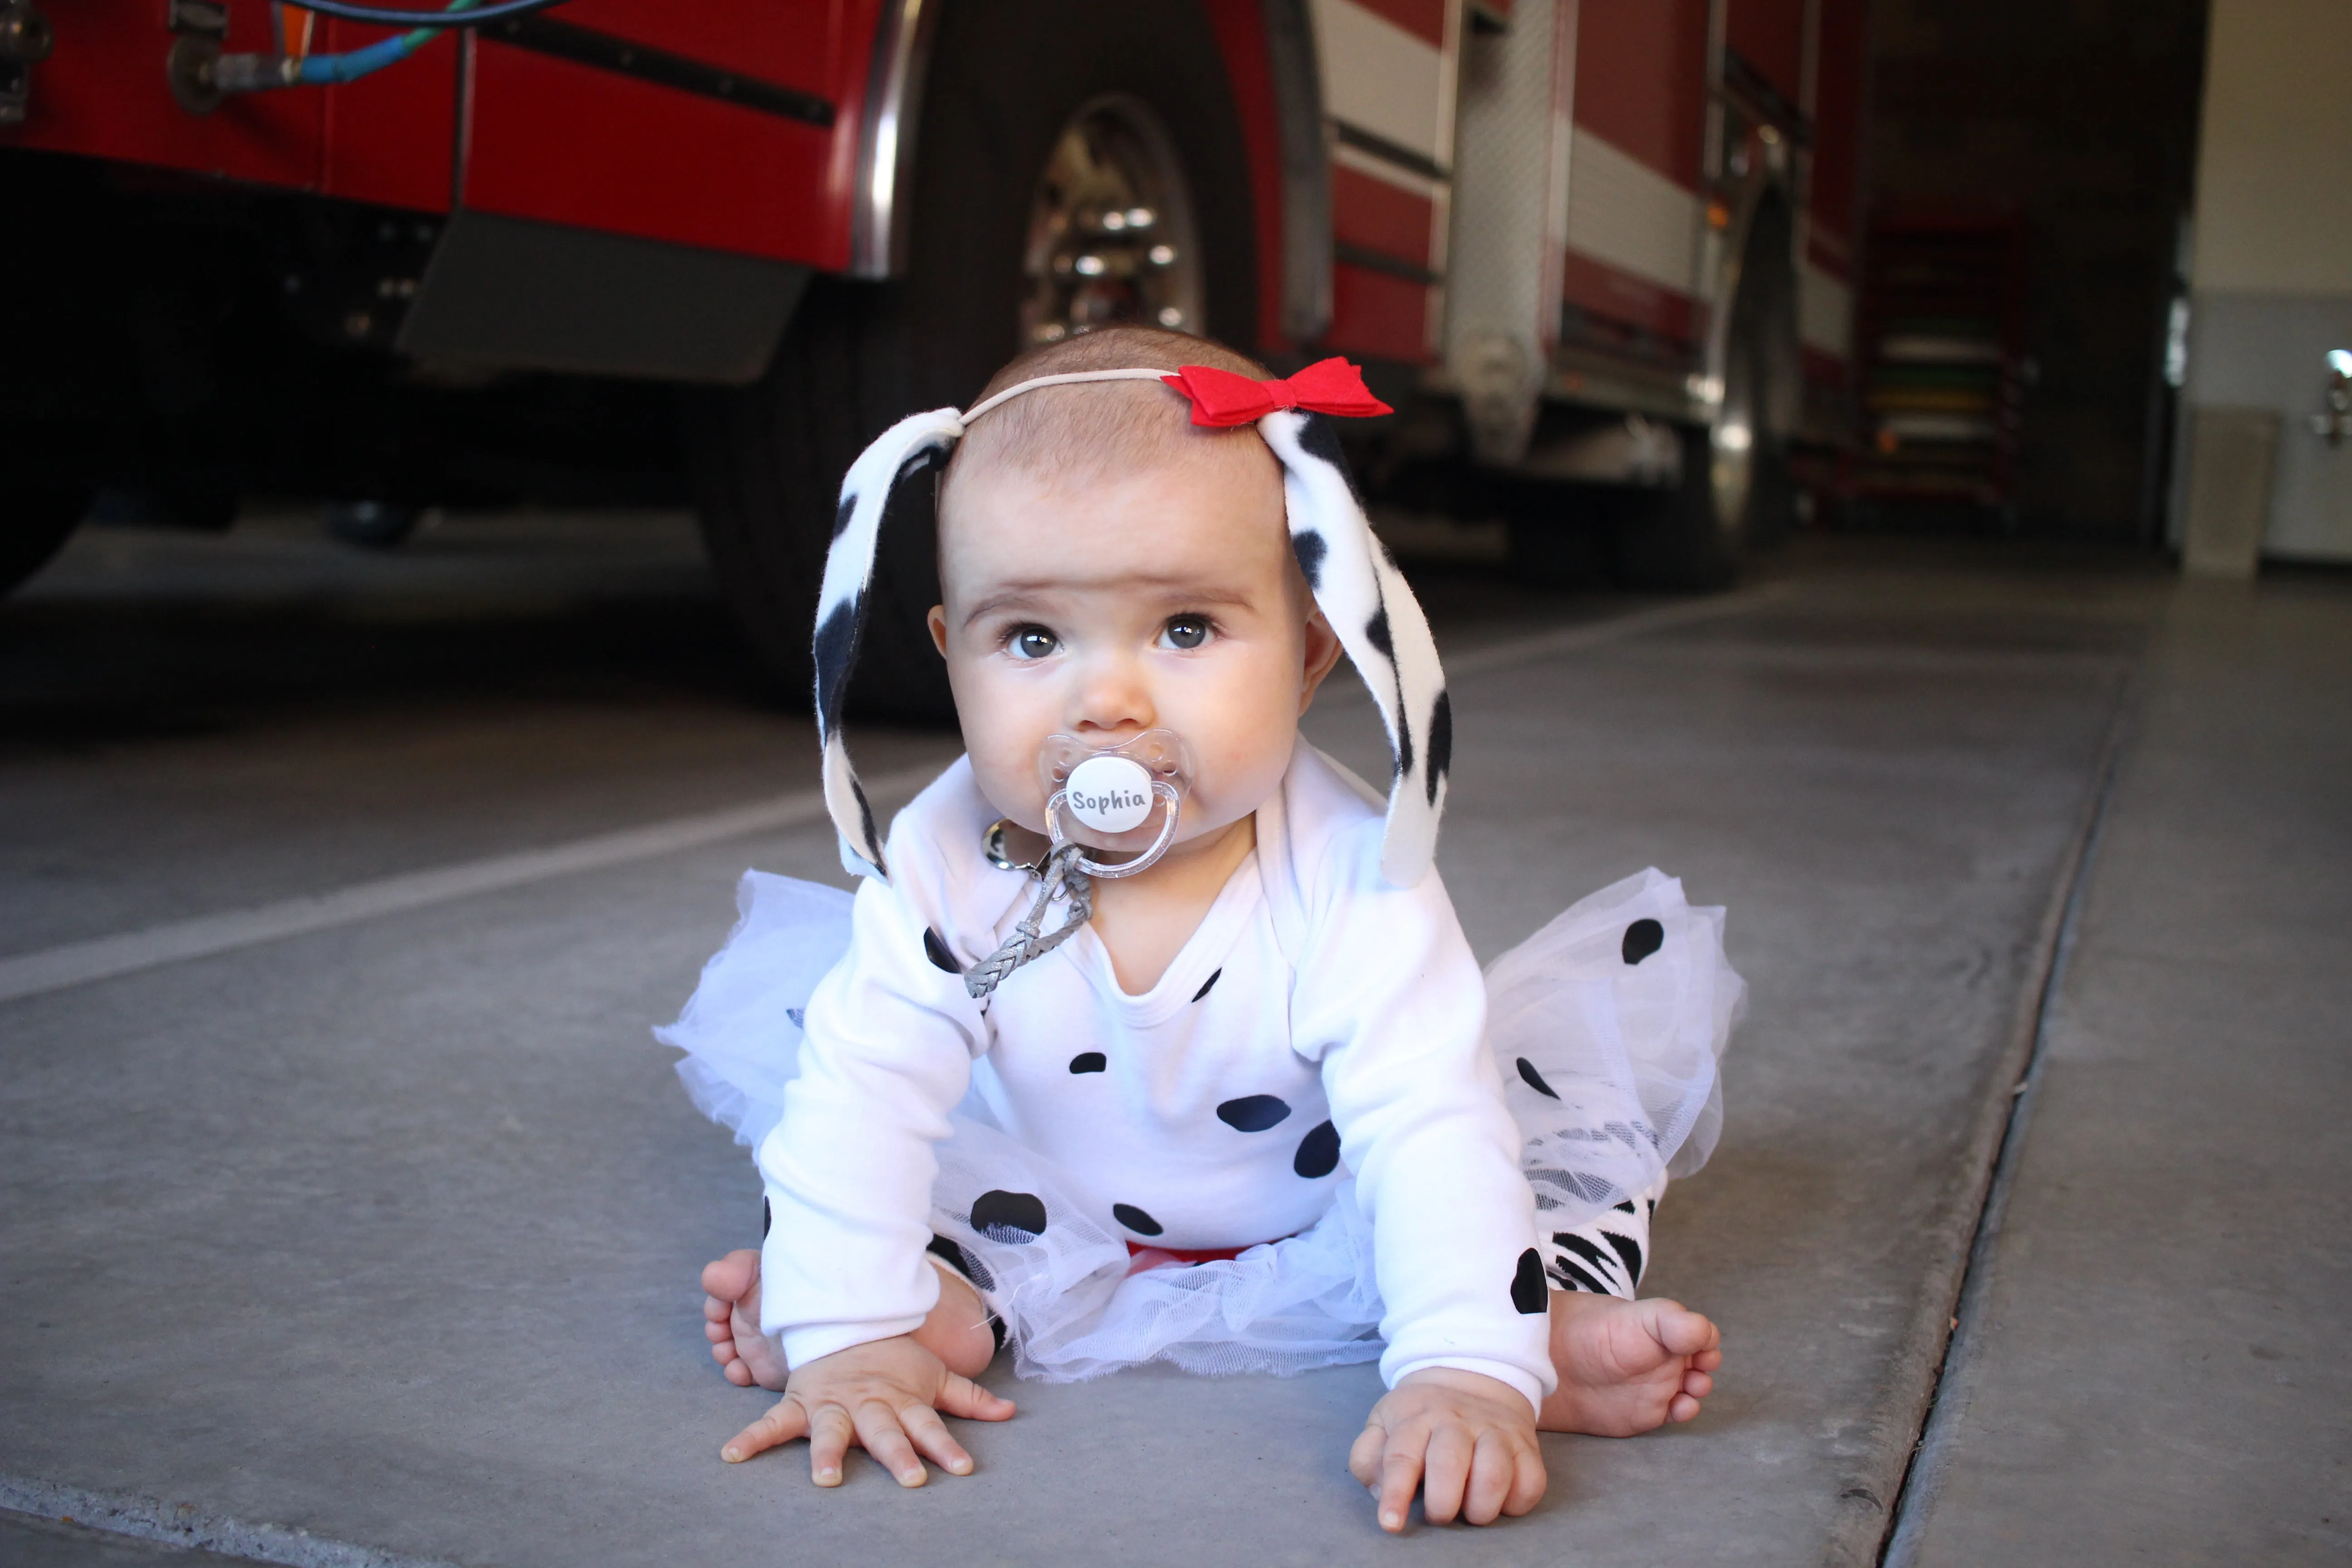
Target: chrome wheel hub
1110	229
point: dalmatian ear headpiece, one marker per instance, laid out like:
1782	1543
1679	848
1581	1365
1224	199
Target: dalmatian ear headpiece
1356	584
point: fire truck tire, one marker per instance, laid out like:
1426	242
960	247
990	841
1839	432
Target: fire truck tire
1006	79
35	523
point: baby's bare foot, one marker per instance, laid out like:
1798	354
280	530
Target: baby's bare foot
956	1331
732	1309
1626	1367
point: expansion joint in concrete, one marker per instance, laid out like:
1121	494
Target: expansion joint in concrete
195	1528
1946	1401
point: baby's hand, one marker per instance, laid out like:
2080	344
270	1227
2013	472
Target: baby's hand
1466	1440
887	1397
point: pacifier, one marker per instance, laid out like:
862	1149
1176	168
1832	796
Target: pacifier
1110	793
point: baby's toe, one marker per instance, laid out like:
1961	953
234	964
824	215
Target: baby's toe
738	1374
1697	1385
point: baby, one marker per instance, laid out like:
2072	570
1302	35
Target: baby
1240	1110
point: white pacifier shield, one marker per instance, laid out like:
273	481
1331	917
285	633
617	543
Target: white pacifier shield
1111	794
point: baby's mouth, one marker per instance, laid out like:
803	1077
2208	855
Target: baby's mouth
1125	800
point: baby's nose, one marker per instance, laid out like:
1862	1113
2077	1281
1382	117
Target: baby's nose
1113	695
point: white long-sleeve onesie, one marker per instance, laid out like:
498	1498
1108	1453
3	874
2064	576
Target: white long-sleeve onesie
1319	1022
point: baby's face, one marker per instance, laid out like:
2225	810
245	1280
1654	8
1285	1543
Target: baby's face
1166	598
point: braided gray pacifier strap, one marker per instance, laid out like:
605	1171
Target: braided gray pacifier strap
1060	873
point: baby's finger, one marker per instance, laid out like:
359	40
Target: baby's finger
931	1436
959	1396
829	1433
1527	1481
780	1425
879	1432
1492	1464
1364	1457
1399	1479
1445	1474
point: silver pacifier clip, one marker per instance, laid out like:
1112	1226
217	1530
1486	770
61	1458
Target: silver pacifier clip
1111	791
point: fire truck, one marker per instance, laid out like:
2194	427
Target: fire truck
1598	253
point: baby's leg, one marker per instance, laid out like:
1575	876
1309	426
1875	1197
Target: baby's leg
1625	1366
956	1331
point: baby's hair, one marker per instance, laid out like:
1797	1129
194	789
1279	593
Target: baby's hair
1087	431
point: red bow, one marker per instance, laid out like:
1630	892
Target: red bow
1327	386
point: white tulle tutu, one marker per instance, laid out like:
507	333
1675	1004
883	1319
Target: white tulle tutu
1608	1024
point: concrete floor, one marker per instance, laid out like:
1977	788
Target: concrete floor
375	1242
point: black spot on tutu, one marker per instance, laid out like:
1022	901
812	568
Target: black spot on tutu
1528	1287
1318	1153
1211	980
1534	1080
1642	938
1136	1220
1012	1217
1254	1112
937	951
1089	1061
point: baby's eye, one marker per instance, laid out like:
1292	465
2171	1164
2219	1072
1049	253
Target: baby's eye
1185	631
1033	642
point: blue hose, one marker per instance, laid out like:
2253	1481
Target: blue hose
326	71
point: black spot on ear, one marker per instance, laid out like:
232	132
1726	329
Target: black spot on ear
836	655
1254	1112
1310	548
1089	1061
937	951
964	1263
1319	436
1534	1080
1625	1207
1318	1153
1403	739
848	509
767	1218
873	845
1376	632
916	463
1203	990
1135	1219
1441	742
798	1015
1528	1288
1642	938
1012	1217
1629	1252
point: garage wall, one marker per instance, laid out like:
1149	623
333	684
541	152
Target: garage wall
2272	258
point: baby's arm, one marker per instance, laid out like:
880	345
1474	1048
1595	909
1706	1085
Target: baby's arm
1388	991
845	1282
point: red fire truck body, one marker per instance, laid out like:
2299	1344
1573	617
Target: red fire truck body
1605	244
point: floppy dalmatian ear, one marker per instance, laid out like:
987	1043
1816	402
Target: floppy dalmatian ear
915	446
1380	624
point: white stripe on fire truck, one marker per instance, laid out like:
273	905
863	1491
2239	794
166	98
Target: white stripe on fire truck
1379	77
1409	180
1626	214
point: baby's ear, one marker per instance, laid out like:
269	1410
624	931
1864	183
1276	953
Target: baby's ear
1322	657
938	621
